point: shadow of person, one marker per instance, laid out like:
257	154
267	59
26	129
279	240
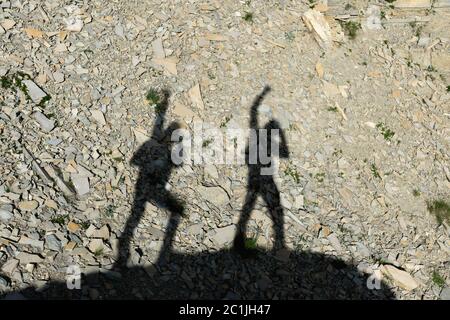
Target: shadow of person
222	274
261	151
155	166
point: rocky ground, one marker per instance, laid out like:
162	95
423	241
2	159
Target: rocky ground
366	113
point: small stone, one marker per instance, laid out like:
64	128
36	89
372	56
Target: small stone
29	267
74	24
299	202
41	78
102	233
58	77
45	123
53	243
90	231
196	97
363	250
96	245
51	204
118	30
330	89
445	294
32	242
326	231
156	233
284	201
60	47
211	171
400	277
81	184
183	111
5	215
8	24
215	195
117	90
33	33
36	93
169	64
10	266
224	235
319	70
423	42
70	246
98	116
135	61
73	227
318	25
28	205
195	229
140	135
335	242
25	258
370	124
158	49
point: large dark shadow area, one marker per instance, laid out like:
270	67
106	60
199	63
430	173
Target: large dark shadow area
226	275
229	273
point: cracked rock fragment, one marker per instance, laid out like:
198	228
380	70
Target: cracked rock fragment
45	123
81	184
36	93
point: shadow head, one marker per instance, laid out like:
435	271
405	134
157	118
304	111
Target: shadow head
274	124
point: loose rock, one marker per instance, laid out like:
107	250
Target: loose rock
400	277
36	93
224	235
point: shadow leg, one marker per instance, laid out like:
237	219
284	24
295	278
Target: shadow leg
176	212
137	212
271	196
239	240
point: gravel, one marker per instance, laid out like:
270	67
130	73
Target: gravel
366	120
